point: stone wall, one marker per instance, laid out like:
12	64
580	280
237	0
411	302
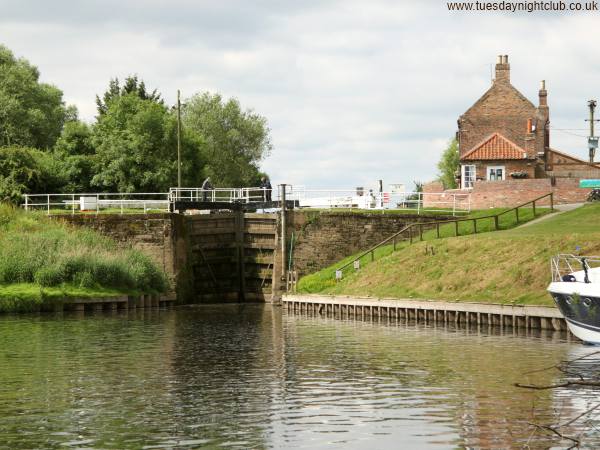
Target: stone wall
185	246
323	238
510	193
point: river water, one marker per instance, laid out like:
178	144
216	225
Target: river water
255	377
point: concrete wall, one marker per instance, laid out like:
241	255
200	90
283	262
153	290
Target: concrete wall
510	193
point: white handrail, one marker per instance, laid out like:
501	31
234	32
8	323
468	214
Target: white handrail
451	203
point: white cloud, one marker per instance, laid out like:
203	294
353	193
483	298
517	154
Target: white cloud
353	91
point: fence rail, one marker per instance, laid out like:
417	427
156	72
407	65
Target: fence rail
454	203
230	195
122	203
420	226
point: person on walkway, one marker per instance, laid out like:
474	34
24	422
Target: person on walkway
265	185
206	188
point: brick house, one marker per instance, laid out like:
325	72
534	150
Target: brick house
504	136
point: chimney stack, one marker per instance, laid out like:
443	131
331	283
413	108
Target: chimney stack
502	69
543	94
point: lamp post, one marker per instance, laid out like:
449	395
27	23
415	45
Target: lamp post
592	140
178	140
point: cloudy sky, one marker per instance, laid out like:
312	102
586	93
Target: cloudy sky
354	91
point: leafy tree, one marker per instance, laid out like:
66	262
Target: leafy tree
134	151
31	113
448	165
75	139
131	86
26	170
75	152
235	141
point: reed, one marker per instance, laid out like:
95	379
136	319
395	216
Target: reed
35	249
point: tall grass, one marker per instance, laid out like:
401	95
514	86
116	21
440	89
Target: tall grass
35	249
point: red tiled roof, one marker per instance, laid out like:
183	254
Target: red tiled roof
495	147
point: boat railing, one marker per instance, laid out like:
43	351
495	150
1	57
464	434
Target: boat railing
565	264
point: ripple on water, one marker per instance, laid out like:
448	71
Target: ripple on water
252	377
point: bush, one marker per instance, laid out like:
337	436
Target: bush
27	171
35	249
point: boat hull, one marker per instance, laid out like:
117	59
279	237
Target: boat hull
580	305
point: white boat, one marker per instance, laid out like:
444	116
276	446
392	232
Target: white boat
575	288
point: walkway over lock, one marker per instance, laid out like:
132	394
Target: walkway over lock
247	199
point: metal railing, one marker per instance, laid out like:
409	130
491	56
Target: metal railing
419	202
421	226
567	264
454	203
229	195
121	203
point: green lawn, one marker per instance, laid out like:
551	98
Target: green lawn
325	279
510	266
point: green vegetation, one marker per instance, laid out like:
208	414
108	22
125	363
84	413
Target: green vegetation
510	266
449	165
42	260
131	146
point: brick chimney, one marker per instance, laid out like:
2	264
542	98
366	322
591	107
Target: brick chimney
543	94
502	69
542	129
530	140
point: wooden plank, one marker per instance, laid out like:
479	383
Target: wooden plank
261	245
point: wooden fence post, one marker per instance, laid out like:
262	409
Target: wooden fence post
517	213
496	225
456	226
474	226
420	232
437	226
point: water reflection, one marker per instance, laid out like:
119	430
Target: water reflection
252	377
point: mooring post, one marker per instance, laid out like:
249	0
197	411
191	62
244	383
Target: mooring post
239	238
283	226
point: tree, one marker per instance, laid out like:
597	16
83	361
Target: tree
448	165
27	171
32	114
76	153
235	140
134	151
131	86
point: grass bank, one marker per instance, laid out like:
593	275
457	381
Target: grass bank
510	266
42	260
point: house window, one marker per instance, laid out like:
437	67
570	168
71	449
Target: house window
495	173
468	176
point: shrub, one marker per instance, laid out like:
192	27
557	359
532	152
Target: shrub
35	249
